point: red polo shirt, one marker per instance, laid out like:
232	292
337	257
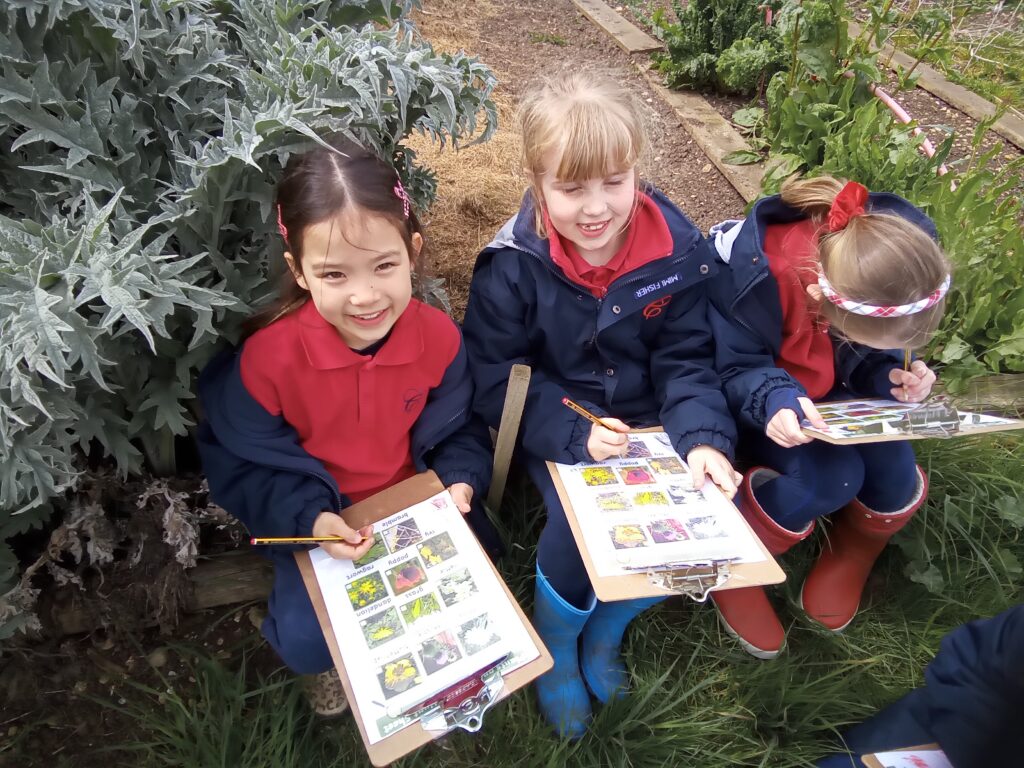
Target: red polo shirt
352	412
806	353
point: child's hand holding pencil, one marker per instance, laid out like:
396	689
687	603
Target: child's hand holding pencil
338	539
607	436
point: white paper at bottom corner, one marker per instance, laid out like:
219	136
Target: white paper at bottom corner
914	758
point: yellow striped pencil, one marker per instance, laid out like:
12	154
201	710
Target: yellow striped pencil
301	539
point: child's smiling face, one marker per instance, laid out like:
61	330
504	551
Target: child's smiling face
358	272
592	214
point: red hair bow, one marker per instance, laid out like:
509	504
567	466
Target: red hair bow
848	203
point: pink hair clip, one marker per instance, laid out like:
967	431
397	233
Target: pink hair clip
280	224
881	310
402	195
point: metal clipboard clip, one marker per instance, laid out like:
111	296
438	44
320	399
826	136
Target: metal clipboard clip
461	705
935	417
694	580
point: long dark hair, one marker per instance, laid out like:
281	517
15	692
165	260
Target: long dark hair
318	185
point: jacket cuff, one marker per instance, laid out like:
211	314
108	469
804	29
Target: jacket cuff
781	399
881	384
717	440
305	519
452	476
762	399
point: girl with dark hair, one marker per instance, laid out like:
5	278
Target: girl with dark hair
343	387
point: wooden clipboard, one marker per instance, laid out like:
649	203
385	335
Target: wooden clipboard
873	762
637	585
366	512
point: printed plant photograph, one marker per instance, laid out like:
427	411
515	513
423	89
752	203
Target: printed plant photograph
598	476
402	535
377	551
399	676
684	494
366	590
668	465
382	627
667	531
706	527
650	499
437	549
476	634
613	501
438	652
406	576
456	587
637	450
636	475
627	537
417	609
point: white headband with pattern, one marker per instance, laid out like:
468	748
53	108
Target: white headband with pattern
876	310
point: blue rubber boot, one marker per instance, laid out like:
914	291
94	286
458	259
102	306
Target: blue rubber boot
561	693
601	645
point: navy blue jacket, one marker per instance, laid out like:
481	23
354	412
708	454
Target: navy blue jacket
643	353
746	315
259	472
970	703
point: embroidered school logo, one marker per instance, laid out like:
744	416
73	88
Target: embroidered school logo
411	398
654	308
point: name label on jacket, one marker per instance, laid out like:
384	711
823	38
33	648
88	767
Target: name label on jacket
657	286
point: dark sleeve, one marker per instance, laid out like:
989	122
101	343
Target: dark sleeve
970	702
269	502
865	371
497	338
463	454
975	691
693	408
745	364
279	497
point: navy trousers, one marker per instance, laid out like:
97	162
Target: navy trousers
291	626
819	478
557	554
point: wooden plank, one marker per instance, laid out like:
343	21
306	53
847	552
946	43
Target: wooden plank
232	577
715	135
626	35
1009	126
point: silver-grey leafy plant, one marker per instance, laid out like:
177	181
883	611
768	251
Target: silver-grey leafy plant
139	143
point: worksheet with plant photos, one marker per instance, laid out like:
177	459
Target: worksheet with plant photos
420	612
642	511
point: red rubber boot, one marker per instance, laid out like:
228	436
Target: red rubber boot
832	592
746	613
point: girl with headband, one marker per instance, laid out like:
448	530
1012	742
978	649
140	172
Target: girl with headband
826	285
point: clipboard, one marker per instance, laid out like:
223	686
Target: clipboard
873	762
937	417
461	705
695	580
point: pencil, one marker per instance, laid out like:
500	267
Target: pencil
301	539
906	367
585	413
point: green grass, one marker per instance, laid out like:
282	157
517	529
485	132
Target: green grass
547	37
988	60
698	699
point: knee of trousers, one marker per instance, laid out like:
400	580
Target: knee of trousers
296	636
828	482
291	626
